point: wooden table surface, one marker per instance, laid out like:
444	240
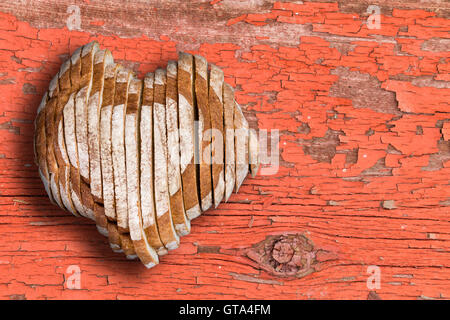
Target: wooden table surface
362	191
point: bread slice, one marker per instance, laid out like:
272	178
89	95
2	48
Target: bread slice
50	114
241	145
75	128
105	141
186	118
40	146
87	68
144	251
146	167
100	219
253	152
81	106
73	186
114	237
118	148
101	60
163	214
181	222
127	246
59	145
228	114
204	131
215	101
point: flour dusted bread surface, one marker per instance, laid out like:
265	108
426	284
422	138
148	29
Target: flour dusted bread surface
162	200
105	141
101	60
40	146
230	163
188	141
52	165
146	167
253	152
81	106
180	221
215	101
141	157
240	145
144	251
118	147
204	131
59	145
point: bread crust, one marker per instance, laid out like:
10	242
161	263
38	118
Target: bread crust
253	152
230	165
105	142
180	221
40	146
146	167
144	251
188	166
50	115
204	130
163	213
101	59
215	101
59	145
118	148
240	145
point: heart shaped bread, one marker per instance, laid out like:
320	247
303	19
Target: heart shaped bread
141	158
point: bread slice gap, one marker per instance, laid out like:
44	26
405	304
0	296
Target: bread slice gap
215	101
145	252
59	145
146	167
228	115
50	115
118	147
186	118
40	146
241	145
181	222
160	154
204	131
105	141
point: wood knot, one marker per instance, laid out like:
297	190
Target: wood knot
282	252
288	255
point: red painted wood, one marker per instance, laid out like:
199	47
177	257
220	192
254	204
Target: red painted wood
364	122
